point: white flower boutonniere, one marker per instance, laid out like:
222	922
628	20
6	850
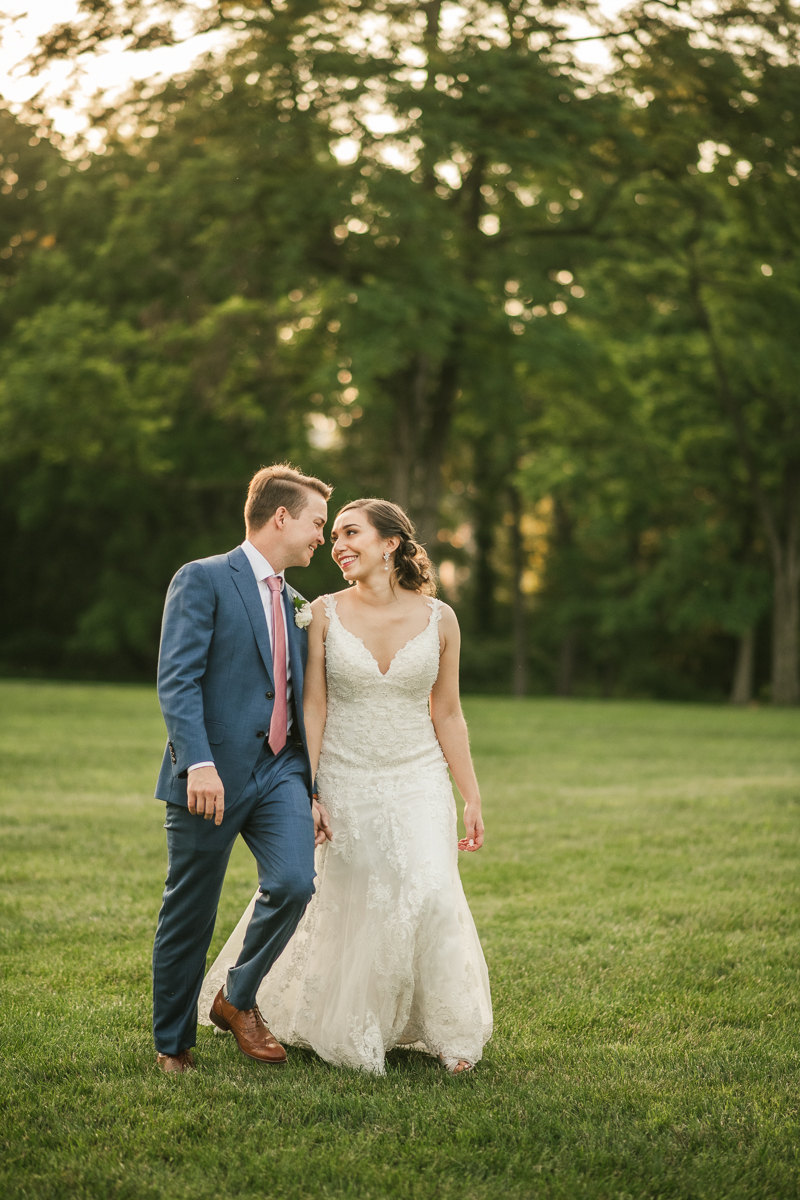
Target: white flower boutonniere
303	615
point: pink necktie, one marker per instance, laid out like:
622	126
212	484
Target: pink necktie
277	726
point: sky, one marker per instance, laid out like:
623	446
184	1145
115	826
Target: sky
111	70
114	68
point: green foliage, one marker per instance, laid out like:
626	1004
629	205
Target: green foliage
515	298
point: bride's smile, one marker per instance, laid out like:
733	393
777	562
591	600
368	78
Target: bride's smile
364	557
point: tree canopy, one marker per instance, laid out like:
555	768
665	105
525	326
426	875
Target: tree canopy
424	251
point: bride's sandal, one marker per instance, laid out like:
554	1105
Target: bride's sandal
456	1066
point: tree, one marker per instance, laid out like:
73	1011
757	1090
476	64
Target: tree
475	278
482	123
708	234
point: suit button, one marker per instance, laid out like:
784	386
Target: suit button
270	695
260	733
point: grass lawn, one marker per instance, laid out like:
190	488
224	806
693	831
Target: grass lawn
638	904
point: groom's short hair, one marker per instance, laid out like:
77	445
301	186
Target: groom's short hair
279	486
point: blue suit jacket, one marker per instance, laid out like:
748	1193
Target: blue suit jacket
215	675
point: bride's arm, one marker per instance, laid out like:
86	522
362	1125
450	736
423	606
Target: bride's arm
451	730
315	707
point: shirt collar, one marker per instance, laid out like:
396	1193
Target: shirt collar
261	568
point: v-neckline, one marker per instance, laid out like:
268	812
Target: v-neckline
362	643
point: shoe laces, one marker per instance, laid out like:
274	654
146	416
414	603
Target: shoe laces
254	1018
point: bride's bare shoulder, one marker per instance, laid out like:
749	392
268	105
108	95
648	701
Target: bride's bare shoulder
445	609
320	618
319	603
448	624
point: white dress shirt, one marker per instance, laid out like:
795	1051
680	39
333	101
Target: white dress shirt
262	571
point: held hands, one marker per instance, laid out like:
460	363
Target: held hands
473	823
322	823
206	794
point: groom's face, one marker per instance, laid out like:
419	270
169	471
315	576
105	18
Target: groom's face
305	532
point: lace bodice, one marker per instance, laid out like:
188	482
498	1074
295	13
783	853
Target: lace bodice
399	732
413	669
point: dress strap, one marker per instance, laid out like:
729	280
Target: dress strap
436	610
330	606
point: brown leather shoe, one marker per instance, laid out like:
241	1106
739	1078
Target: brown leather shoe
247	1026
176	1064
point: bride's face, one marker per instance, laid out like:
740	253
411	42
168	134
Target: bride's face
357	546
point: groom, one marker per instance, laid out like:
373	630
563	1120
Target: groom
230	683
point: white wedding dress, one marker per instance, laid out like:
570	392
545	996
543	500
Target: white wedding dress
387	953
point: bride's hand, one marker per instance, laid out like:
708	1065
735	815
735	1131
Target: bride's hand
322	823
473	823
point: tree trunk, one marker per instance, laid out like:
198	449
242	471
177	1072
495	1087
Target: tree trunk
435	433
485	519
409	387
742	689
423	415
781	527
518	621
432	10
566	663
785	683
563	543
402	456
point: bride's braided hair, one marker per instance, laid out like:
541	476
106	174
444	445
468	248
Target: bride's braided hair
413	569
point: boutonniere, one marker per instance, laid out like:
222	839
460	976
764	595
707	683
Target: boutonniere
303	615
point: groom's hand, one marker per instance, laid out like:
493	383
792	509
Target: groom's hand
322	823
206	794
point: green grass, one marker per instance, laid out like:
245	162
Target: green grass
638	903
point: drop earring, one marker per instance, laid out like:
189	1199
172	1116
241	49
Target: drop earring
386	560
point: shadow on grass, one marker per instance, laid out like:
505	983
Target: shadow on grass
221	1049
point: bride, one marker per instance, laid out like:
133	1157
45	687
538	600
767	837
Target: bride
387	953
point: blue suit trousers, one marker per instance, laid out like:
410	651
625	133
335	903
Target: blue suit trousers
273	815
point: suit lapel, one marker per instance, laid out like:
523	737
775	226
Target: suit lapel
247	587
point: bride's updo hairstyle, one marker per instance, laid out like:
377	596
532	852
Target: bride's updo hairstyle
413	569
